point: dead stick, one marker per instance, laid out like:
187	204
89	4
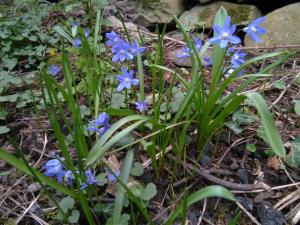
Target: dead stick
236	186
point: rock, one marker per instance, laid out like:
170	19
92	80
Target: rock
172	55
282	27
34	187
204	1
203	15
131	27
158	12
268	215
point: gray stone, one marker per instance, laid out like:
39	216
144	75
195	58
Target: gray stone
187	62
282	27
203	15
157	12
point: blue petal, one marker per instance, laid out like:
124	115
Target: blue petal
223	43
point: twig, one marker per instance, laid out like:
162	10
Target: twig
287	172
262	190
202	213
236	186
28	208
234	144
247	213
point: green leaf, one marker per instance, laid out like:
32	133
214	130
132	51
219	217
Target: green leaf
120	190
251	147
272	134
137	169
104	143
243	117
279	84
4	129
293	158
10	63
66	203
9	98
149	192
207	192
124	219
117	100
74	217
297	107
3	114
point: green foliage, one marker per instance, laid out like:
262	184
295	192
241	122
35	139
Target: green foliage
23	41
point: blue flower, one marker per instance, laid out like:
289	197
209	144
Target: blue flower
141	106
54	69
86	32
103	122
54	168
113	38
112	177
122	51
126	79
77	43
237	59
198	44
254	30
135	49
184	53
69	177
206	61
90	179
74	24
224	35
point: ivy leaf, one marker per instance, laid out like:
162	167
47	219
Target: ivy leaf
293	158
74	217
3	114
297	107
4	129
149	192
251	147
124	219
280	84
178	99
117	100
66	203
137	169
9	63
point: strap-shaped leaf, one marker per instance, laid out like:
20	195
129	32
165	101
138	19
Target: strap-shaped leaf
104	143
210	191
268	123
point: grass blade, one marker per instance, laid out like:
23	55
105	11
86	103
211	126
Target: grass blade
120	190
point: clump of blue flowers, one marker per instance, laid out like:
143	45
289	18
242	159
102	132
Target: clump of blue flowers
141	106
54	70
186	52
101	124
54	168
122	50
